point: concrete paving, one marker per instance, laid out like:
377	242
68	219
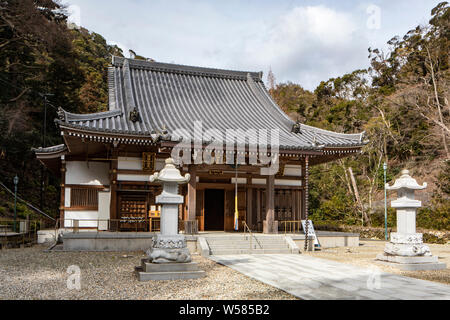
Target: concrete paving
313	278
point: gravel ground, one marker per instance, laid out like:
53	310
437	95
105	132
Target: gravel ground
30	273
365	254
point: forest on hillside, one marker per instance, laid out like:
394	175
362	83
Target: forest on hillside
401	102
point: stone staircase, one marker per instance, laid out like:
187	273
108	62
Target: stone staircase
261	244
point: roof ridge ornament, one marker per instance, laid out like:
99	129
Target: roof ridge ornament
296	127
61	114
134	115
361	136
314	142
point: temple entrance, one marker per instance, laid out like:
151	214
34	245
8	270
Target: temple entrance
214	209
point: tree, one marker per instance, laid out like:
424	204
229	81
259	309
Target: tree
418	70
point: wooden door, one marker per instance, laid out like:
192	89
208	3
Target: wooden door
199	209
242	208
229	210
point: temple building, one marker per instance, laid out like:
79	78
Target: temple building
106	158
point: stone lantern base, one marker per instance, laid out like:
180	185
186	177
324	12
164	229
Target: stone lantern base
408	252
168	259
168	249
411	263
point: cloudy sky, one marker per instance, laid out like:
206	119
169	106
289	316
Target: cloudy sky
303	41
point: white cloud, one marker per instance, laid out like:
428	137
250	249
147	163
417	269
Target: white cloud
307	44
304	43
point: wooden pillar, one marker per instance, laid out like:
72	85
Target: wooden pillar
303	192
192	190
306	199
258	208
113	214
249	208
306	193
62	203
270	225
294	204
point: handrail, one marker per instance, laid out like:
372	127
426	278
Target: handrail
74	224
251	235
27	232
294	225
27	203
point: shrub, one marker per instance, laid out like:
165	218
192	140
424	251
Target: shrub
377	218
436	217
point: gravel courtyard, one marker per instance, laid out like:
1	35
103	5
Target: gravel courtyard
31	273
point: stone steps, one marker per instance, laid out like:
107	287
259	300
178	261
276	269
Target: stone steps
247	246
248	251
245	241
241	245
239	238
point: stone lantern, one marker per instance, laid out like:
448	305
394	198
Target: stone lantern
406	249
168	257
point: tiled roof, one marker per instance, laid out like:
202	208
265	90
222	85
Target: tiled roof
169	97
52	149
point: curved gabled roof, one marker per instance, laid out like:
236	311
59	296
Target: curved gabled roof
168	97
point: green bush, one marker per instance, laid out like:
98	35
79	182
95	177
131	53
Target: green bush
377	218
23	211
10	206
431	238
436	217
339	209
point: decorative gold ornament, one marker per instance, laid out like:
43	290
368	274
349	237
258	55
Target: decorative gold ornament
148	161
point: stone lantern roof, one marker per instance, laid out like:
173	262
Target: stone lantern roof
407	182
170	174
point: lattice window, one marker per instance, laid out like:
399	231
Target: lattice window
86	198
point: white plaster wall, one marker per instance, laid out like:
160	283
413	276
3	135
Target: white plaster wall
67	197
135	163
258	181
160	163
79	172
292	170
281	182
81	215
133	177
104	198
129	163
239	180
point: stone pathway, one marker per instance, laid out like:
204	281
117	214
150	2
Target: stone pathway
313	278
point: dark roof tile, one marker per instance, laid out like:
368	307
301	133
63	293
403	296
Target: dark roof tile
171	96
